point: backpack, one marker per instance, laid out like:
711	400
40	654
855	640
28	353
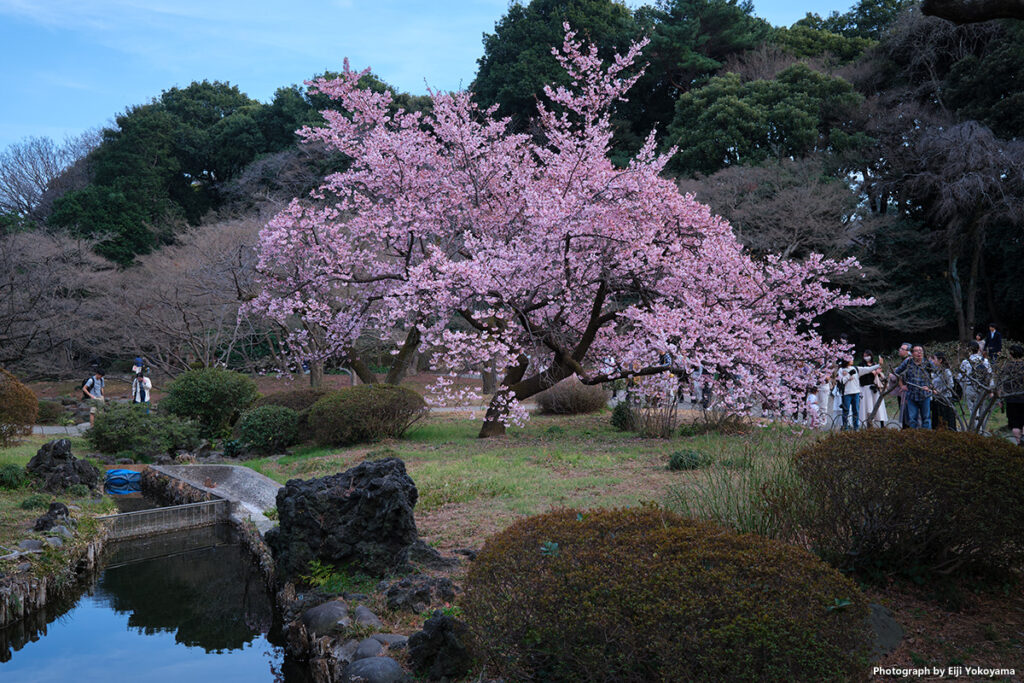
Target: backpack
85	384
981	376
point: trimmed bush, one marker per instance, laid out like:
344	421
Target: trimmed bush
12	476
299	400
37	501
269	429
19	408
687	460
571	397
213	397
124	427
365	413
50	412
624	417
645	595
915	501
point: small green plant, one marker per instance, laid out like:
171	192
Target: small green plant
271	514
233	448
687	459
453	611
78	491
624	417
332	580
12	477
37	501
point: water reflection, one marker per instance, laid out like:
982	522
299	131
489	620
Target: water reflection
162	610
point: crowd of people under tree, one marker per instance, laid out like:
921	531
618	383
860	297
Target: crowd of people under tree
930	392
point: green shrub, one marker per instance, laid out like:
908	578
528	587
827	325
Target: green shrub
213	397
571	397
916	502
365	413
12	476
645	595
624	417
19	409
269	429
687	460
50	412
78	491
37	501
121	427
299	400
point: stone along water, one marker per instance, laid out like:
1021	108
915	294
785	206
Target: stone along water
157	613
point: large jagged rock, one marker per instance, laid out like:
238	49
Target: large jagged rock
56	469
57	516
362	518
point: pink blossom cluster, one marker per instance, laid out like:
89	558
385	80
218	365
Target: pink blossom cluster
534	253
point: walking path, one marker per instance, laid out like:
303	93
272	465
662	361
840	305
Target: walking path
60	430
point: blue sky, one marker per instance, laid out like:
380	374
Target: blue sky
70	65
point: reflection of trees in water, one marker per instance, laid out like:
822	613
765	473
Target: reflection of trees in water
213	598
33	626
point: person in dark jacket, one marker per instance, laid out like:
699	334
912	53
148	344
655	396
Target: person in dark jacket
993	342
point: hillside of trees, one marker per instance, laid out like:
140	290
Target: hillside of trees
879	133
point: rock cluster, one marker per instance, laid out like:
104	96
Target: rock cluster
362	518
416	593
57	469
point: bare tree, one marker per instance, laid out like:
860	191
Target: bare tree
28	169
47	285
179	306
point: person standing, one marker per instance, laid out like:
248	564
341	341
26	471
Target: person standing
137	365
897	386
994	341
943	415
976	379
141	387
1011	388
92	392
871	388
916	373
979	339
848	380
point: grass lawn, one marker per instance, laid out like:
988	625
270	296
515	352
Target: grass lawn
470	488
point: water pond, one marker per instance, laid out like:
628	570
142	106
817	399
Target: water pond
187	606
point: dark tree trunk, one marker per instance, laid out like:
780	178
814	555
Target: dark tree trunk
316	374
404	357
521	389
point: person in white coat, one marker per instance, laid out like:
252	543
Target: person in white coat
848	381
871	386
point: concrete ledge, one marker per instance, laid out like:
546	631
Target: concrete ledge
251	492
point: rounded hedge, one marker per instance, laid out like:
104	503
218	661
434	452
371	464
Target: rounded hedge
915	501
19	408
645	595
364	413
299	400
213	397
571	397
269	429
125	427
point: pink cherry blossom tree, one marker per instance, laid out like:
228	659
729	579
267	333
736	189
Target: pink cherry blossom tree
534	253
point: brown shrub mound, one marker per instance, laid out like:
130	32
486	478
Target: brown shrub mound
645	595
915	501
19	408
